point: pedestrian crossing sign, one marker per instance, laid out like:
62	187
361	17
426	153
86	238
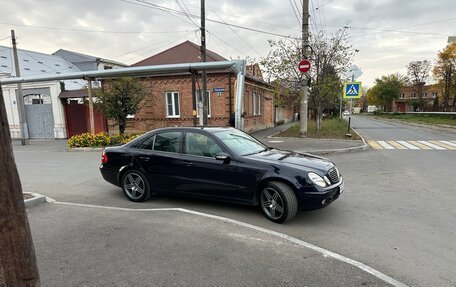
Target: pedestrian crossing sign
352	90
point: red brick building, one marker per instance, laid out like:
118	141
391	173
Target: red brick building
409	99
169	100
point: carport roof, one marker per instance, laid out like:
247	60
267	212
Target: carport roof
73	94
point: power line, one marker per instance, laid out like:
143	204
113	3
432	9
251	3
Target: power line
157	47
158	7
228	44
234	31
88	31
294	12
322	5
143	48
5	38
185	10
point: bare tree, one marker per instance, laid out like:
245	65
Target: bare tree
17	255
418	72
330	56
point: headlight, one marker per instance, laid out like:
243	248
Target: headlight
318	180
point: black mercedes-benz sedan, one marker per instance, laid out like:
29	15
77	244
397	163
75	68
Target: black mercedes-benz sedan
221	163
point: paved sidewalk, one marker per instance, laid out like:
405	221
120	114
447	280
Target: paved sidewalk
307	145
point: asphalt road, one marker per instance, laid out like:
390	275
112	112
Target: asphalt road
397	214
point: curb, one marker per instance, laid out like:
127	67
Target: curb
86	149
35	200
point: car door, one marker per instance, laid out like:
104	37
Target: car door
159	156
206	176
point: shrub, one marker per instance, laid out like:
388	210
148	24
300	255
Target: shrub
99	140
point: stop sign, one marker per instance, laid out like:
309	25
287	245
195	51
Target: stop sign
304	66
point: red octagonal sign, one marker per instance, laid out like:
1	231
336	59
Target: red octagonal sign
304	66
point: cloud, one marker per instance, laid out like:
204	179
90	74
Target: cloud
138	32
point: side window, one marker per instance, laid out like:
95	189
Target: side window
147	144
198	144
167	141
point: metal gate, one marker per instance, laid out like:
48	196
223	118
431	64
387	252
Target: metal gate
40	120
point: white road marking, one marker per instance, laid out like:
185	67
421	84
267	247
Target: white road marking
275	141
448	143
432	145
406	144
324	252
385	145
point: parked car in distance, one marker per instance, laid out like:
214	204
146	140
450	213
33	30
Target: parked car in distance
346	114
225	164
371	109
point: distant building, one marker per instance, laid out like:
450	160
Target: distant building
451	39
44	112
408	101
87	62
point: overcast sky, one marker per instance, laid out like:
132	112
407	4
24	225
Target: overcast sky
388	34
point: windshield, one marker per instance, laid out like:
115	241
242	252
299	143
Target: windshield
240	143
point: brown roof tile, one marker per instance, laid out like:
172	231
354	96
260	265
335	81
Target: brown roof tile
186	52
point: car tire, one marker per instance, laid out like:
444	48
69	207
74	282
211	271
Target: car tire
278	202
135	186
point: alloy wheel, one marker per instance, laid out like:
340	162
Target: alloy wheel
134	185
272	203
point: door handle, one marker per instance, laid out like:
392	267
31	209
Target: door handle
144	158
187	163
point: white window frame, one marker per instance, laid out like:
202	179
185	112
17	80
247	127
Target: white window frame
434	95
175	110
413	96
198	99
402	96
256	104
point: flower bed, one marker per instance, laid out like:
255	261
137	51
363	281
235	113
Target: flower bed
101	139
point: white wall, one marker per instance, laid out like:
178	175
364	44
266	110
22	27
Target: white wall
9	93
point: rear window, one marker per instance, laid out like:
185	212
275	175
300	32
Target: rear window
167	141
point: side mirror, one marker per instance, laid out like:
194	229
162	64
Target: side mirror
223	157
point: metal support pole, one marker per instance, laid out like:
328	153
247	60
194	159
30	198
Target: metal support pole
194	75
20	95
91	118
239	98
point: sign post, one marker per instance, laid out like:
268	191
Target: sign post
352	90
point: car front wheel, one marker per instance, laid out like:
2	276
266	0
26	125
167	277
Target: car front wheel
135	186
278	202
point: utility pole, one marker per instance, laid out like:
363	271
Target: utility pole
203	94
20	95
304	89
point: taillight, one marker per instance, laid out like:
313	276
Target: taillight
104	157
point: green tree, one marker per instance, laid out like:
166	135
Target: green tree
386	90
120	99
445	71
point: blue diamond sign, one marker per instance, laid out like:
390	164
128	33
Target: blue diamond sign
352	90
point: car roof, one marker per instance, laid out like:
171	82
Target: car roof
210	129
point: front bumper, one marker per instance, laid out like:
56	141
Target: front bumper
323	198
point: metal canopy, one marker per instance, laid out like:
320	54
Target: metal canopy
237	66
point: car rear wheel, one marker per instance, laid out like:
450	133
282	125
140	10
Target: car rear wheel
135	186
278	202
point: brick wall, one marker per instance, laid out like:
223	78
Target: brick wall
152	113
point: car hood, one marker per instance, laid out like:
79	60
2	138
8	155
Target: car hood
275	156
